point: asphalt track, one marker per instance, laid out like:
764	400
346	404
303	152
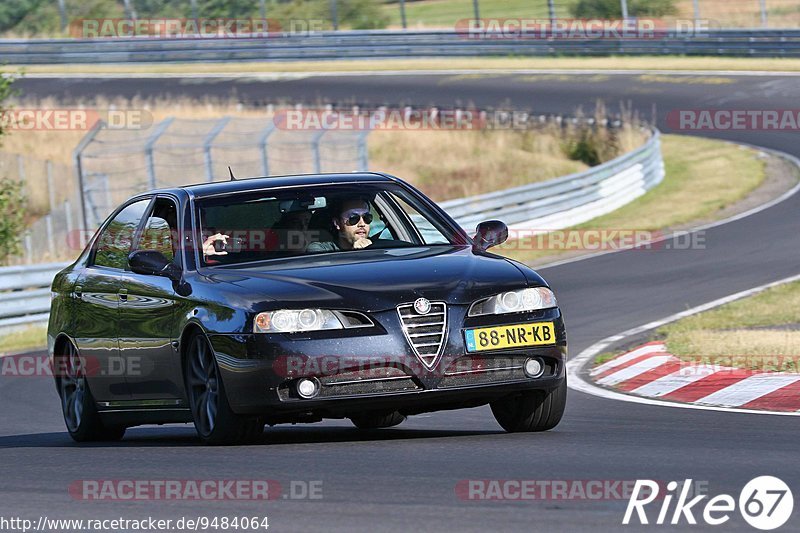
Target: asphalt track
405	478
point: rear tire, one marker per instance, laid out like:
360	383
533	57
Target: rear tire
215	422
537	410
77	404
377	421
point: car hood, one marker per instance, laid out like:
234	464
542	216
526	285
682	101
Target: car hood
376	280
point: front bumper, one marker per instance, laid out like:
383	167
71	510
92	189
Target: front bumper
375	369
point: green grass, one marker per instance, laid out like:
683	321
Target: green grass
445	13
24	339
702	177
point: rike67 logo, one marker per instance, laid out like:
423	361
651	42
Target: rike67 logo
765	503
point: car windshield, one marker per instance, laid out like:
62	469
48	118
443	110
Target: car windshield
257	226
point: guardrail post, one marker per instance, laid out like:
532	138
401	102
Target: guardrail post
21	172
624	5
78	157
51	191
403	14
315	147
363	153
764	21
62	14
28	248
334	15
148	150
262	145
68	217
129	11
51	243
218	127
475	8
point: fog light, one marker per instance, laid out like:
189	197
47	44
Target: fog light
308	388
534	367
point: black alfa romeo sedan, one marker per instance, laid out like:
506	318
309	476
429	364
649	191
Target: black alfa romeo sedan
292	299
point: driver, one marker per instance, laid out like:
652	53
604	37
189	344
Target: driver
351	222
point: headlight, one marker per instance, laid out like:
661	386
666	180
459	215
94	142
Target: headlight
292	320
515	302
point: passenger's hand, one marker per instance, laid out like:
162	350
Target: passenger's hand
208	244
361	243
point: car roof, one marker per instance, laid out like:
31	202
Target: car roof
201	190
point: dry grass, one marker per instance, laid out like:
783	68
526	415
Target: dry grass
743	13
702	177
760	332
445	164
655	63
455	164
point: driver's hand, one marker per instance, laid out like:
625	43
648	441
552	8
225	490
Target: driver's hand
361	243
208	244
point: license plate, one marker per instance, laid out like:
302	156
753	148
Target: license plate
513	336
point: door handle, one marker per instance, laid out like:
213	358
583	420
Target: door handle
123	295
78	291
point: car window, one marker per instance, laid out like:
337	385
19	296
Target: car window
114	244
426	229
160	232
285	223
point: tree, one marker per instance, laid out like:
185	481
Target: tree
12	200
44	18
611	9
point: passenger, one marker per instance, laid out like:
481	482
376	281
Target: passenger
351	223
291	230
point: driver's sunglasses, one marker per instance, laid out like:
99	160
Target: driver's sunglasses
353	219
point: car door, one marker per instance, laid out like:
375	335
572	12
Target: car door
146	311
97	308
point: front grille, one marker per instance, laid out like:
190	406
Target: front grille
480	370
336	386
425	333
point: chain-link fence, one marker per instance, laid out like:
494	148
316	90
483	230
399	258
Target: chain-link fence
53	204
66	203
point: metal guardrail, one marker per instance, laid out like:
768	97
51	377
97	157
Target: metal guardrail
553	204
568	200
376	44
25	294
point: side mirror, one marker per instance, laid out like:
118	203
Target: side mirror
490	233
153	263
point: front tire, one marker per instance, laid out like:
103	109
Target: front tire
77	404
537	410
378	421
214	420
